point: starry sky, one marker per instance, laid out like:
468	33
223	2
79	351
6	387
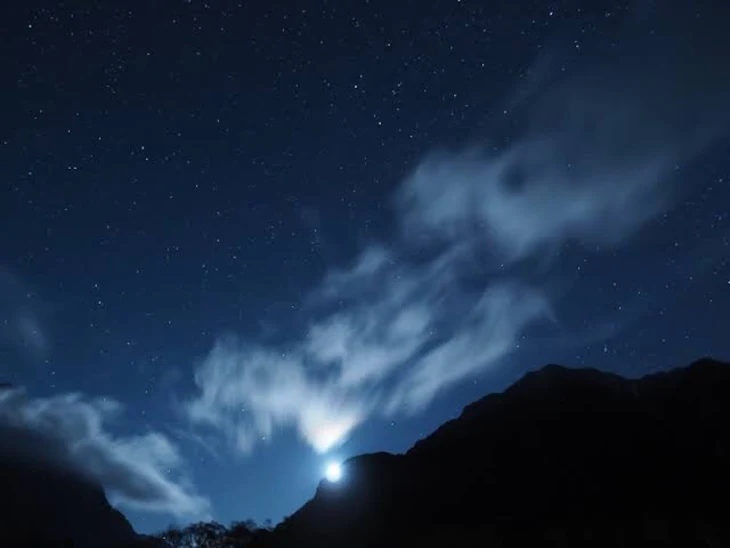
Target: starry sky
239	240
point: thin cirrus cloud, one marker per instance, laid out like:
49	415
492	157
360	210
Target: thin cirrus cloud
21	317
594	160
140	472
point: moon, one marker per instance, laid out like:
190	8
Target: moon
333	472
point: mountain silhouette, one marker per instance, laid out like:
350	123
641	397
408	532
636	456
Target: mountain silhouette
46	502
564	457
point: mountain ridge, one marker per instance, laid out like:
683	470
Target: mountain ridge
577	451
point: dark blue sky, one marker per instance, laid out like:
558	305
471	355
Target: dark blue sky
240	232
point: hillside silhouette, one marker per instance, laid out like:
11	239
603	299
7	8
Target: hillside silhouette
46	503
564	457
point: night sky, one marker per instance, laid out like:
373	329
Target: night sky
239	240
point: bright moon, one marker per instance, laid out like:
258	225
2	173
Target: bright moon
333	472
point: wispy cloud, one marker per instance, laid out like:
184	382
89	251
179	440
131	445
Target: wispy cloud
593	161
141	472
21	317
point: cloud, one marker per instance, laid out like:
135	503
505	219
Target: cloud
488	333
21	317
389	350
140	472
247	391
593	158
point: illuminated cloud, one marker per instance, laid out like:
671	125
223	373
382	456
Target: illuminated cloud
380	356
249	391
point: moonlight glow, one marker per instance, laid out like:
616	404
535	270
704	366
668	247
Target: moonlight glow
333	472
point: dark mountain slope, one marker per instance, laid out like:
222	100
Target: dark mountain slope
44	502
564	457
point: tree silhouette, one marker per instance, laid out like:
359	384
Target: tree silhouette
212	534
